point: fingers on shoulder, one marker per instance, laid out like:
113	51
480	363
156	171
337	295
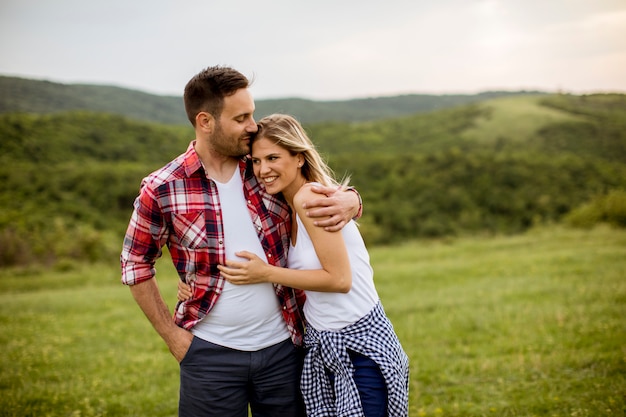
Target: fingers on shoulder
305	195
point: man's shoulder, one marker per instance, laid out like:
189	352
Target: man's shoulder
170	172
183	166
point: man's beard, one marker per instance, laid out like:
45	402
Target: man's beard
229	146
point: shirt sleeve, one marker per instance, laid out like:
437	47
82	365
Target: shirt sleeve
360	211
145	236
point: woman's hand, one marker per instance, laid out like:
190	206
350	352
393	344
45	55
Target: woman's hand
252	271
184	291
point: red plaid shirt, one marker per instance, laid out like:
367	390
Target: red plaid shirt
178	206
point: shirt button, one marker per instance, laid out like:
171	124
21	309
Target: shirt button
269	255
221	242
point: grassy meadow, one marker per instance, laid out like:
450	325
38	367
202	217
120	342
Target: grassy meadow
515	118
524	325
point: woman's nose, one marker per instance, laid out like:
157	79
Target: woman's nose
263	167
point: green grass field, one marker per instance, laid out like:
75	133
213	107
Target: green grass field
529	325
515	118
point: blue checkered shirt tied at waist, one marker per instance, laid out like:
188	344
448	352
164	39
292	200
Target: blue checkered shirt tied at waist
372	336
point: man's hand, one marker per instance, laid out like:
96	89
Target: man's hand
149	299
333	211
179	343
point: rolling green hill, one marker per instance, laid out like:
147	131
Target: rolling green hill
44	97
498	166
516	119
371	109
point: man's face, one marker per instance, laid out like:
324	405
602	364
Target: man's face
236	125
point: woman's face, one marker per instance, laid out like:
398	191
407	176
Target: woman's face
274	166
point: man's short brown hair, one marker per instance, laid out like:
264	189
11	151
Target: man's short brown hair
207	89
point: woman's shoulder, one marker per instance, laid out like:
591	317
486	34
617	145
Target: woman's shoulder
304	194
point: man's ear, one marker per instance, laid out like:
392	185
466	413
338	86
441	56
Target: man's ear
205	121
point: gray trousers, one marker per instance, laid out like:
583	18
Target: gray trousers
222	382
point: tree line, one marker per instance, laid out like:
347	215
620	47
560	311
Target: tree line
46	97
69	179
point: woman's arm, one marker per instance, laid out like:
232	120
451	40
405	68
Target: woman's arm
335	275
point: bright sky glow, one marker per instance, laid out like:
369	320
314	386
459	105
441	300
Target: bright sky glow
323	49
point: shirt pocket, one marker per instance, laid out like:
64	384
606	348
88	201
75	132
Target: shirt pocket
190	228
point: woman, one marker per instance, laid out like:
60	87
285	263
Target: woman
355	365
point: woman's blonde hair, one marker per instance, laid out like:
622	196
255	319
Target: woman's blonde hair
287	133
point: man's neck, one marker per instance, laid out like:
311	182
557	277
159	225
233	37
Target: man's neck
217	166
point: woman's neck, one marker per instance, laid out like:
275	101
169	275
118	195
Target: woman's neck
290	191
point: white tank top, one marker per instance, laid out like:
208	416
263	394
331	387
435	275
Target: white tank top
334	311
245	317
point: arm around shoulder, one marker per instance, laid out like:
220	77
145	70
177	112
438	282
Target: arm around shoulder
332	208
330	247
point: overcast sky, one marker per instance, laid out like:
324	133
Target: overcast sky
321	49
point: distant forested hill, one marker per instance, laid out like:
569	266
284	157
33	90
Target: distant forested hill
371	109
494	166
43	97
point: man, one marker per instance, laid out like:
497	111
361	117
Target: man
236	345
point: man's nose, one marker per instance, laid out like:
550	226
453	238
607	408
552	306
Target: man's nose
252	127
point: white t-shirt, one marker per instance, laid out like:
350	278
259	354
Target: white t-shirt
245	317
334	311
